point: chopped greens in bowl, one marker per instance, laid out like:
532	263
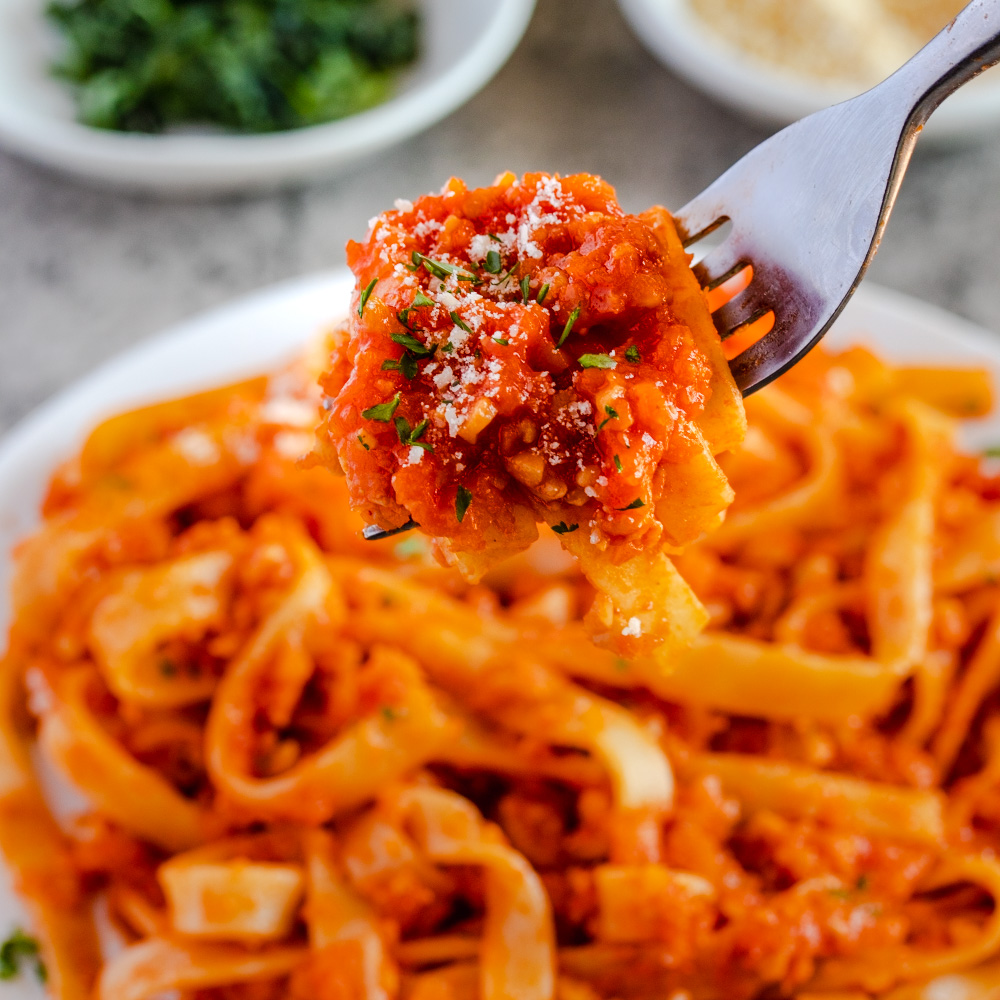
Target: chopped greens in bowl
245	65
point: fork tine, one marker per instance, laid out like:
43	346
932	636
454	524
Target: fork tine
756	298
373	533
700	215
722	262
737	313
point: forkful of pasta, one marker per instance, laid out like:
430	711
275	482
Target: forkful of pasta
528	353
808	206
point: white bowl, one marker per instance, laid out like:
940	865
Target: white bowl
463	46
675	34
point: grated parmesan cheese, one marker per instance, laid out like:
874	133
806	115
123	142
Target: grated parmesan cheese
196	447
444	377
634	627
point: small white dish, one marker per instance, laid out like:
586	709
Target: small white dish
675	34
257	333
463	47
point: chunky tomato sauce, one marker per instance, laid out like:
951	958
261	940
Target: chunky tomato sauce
514	350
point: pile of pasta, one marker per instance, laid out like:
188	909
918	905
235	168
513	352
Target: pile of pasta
316	768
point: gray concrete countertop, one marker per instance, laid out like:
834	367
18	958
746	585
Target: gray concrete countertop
85	272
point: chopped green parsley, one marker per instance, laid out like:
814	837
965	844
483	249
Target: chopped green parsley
245	65
20	947
365	295
462	500
382	412
411	343
567	329
459	322
562	528
612	414
411	435
597	361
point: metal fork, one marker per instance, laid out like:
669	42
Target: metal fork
809	205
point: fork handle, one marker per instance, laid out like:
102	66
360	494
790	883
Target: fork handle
968	45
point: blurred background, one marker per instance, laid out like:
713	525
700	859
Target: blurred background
86	271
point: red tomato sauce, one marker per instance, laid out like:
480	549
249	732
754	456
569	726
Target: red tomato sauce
516	349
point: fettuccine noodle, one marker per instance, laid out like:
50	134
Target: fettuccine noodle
322	769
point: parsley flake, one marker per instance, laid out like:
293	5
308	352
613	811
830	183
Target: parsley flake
421	301
493	265
525	289
612	414
407	364
494	237
543	291
992	452
411	435
17	948
439	268
618	463
562	528
632	354
597	361
411	343
573	316
462	500
501	341
634	505
459	322
388	713
364	444
621	664
365	295
382	412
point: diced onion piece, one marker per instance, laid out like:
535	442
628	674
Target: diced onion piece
233	900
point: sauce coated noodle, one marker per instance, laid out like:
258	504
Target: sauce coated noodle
326	769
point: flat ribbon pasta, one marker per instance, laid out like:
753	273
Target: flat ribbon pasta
132	794
518	947
351	768
155	966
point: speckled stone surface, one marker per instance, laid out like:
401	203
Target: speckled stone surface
85	273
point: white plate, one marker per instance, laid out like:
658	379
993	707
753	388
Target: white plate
680	40
463	46
257	333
